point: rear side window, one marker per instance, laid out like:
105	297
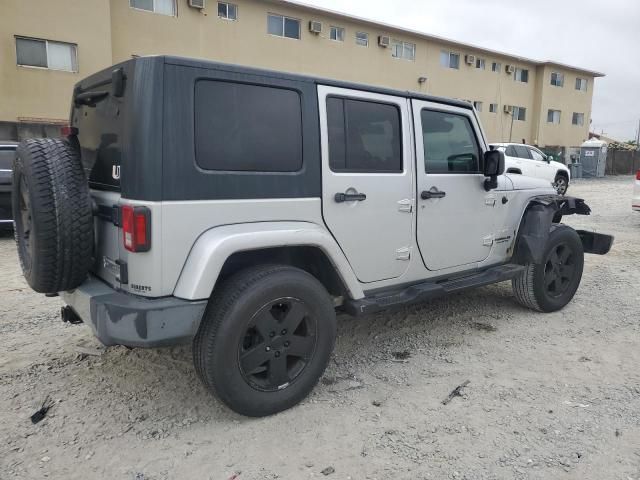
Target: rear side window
241	127
363	136
450	146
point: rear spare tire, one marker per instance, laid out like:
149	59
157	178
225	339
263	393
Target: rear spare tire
52	214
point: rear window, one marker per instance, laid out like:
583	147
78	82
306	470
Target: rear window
242	127
6	158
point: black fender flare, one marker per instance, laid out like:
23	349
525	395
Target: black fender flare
535	226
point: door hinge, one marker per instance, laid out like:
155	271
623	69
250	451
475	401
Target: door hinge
405	205
403	253
487	241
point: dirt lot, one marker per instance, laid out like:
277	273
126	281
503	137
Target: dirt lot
550	396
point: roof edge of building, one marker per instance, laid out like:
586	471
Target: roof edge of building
428	36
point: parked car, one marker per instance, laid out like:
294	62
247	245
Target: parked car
527	160
238	209
635	203
7	154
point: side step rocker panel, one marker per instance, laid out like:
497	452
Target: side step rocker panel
429	290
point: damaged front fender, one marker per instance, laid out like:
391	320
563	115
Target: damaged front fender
542	212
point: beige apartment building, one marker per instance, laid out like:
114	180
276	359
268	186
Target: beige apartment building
47	46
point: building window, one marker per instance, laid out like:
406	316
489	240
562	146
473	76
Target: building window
480	63
496	67
553	116
337	34
33	52
581	84
362	39
493	108
519	113
163	7
578	119
363	136
557	79
283	26
449	59
477	105
253	128
228	11
400	49
521	75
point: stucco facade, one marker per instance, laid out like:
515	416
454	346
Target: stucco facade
109	31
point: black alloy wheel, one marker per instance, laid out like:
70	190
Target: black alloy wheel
278	344
559	270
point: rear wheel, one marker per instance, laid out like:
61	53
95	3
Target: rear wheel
265	339
550	285
561	184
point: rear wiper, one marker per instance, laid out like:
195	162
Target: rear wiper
90	98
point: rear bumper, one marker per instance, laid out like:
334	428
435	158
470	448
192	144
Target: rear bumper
118	318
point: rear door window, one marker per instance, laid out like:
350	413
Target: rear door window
522	151
242	127
364	136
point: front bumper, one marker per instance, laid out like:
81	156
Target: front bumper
118	318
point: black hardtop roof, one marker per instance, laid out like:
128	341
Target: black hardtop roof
209	64
213	65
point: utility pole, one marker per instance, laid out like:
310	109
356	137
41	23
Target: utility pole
511	131
638	136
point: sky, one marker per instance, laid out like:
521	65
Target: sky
598	35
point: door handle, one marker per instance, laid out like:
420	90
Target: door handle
349	197
432	193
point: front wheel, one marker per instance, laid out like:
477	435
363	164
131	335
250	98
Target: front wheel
265	339
550	285
561	184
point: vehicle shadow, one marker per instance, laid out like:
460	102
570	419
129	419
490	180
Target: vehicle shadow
159	389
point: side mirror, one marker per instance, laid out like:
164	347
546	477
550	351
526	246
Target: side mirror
493	166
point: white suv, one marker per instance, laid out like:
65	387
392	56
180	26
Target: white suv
529	161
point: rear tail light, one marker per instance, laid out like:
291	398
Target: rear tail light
638	175
136	228
68	131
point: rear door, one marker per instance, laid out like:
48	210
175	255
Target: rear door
456	216
367	186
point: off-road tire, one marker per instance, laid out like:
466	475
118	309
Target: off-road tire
530	288
232	310
52	214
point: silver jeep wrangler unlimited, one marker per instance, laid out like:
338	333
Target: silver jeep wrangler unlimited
239	209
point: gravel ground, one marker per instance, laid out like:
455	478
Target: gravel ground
549	395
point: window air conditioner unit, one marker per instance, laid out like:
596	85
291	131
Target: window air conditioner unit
384	41
510	69
315	26
508	109
197	4
470	59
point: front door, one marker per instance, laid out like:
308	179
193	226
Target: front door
367	183
544	169
455	213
